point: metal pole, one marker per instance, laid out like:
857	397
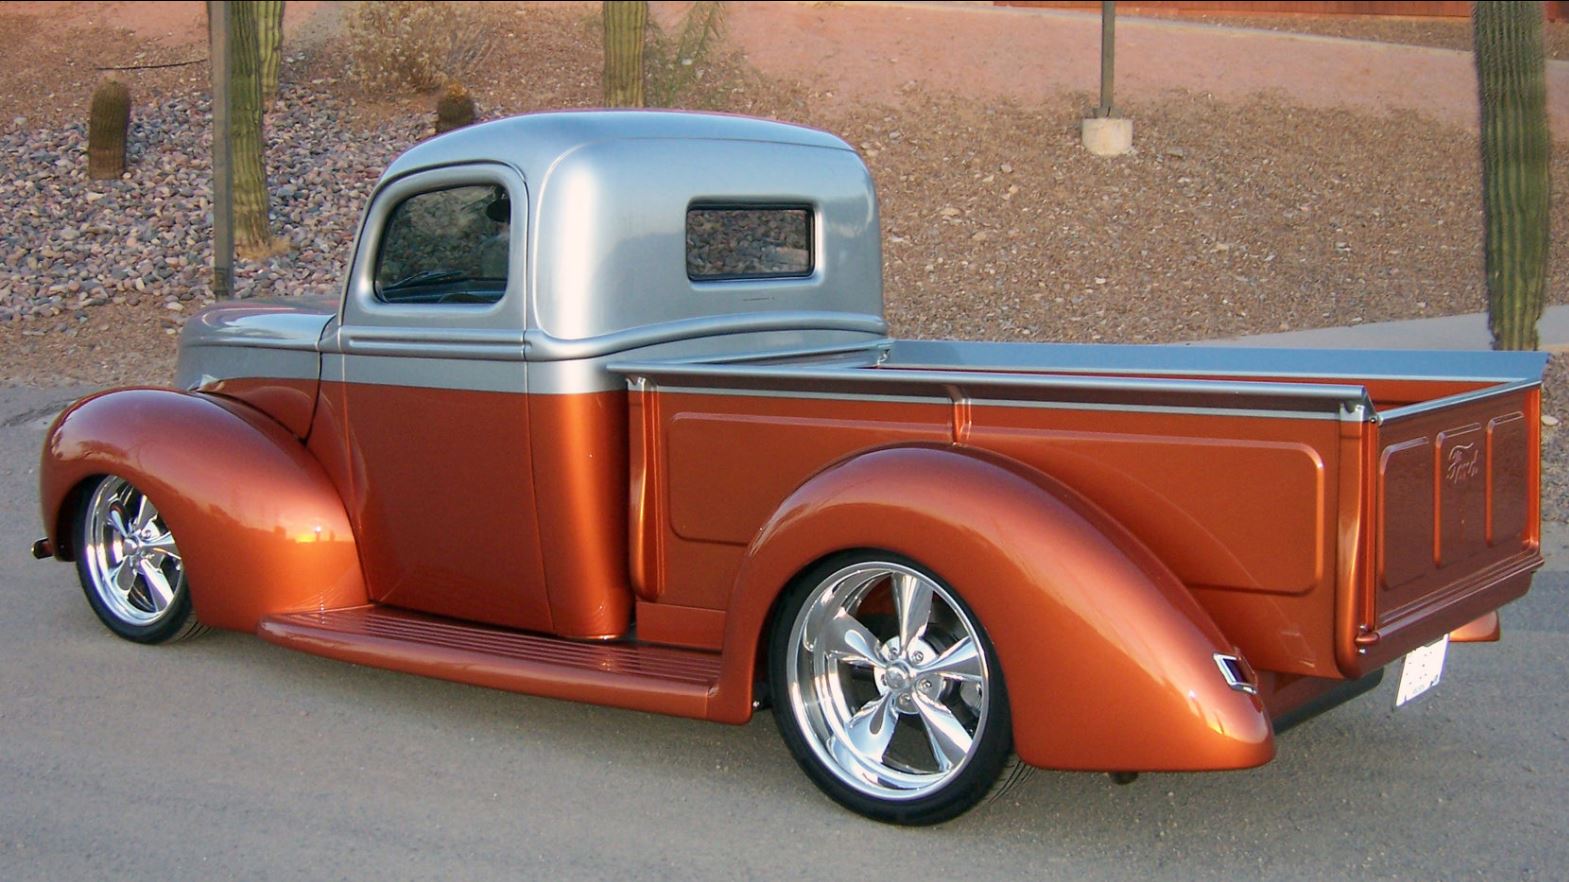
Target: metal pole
221	58
1108	51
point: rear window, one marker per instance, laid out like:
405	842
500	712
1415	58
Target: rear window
751	242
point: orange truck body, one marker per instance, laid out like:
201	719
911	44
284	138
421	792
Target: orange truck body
492	498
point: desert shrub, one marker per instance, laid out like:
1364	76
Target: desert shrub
398	47
678	59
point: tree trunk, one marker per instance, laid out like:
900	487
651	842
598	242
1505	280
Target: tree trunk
625	23
269	46
1511	76
252	237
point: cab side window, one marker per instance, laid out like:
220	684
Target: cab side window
726	243
446	246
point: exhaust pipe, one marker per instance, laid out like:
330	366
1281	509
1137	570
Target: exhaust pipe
42	549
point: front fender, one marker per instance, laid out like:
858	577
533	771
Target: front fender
1109	661
260	527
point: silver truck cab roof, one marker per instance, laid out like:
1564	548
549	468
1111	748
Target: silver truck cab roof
533	142
607	196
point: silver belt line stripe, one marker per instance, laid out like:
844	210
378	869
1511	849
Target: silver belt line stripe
236	342
541	346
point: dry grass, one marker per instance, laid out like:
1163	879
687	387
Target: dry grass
414	46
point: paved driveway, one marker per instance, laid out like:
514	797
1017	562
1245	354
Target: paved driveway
857	52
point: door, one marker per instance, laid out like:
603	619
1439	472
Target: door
426	379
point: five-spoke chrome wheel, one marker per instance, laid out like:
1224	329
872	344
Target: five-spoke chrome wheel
888	691
130	566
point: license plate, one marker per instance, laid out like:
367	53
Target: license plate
1421	671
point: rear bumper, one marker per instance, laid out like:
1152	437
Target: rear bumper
1309	697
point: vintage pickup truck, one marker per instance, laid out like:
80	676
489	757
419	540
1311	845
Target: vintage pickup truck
608	412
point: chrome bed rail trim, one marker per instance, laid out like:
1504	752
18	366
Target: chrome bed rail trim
1297	400
1422	407
1221	361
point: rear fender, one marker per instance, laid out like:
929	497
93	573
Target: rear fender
261	528
1109	661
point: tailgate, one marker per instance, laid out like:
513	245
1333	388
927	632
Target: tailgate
1456	515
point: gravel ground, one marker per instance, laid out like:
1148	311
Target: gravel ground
1232	218
78	243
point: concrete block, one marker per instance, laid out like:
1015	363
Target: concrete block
1108	136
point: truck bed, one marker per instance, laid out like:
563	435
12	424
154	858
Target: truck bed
1331	510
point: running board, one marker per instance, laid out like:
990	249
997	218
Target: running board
659	679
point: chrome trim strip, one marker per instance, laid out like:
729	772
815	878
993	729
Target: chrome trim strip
283	344
1228	361
720	372
1234	671
544	347
949	400
1350	415
1422	407
426	342
1205	396
939	400
536	345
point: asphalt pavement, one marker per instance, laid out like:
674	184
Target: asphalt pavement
227	757
1443	332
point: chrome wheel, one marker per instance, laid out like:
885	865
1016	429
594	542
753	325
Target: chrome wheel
130	565
889	680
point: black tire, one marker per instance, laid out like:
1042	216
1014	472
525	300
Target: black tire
130	566
951	736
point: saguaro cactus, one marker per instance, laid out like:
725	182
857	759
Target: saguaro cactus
1511	76
454	109
252	236
625	23
269	46
107	123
